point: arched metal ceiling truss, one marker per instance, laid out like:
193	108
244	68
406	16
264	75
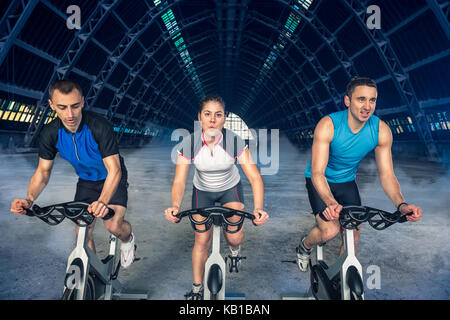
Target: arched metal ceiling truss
228	52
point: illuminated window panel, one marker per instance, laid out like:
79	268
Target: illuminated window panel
15	111
438	121
290	26
238	126
17	117
292	23
50	117
305	3
22	117
29	117
172	27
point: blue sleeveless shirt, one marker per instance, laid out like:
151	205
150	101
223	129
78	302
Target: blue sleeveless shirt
348	149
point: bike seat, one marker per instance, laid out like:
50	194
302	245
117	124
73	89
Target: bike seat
215	279
354	281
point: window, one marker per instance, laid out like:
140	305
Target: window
305	3
238	126
174	31
21	112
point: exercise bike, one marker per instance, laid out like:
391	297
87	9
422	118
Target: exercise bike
214	277
343	279
87	277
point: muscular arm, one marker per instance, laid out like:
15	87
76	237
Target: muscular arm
112	165
178	186
253	176
388	179
383	157
179	182
39	179
323	135
37	183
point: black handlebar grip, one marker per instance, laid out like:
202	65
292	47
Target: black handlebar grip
403	218
253	220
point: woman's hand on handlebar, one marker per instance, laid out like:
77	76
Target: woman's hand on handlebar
98	209
332	211
416	212
18	206
170	214
261	217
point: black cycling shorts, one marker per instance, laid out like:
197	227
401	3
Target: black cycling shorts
202	199
345	193
89	191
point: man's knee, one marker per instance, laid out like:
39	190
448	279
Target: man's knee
114	227
329	232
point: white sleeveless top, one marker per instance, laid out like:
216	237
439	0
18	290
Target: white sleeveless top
214	172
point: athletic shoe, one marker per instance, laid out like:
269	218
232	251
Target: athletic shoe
235	260
127	250
195	294
303	255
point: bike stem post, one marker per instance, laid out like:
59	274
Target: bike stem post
349	257
215	258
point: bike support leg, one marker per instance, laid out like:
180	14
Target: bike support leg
215	258
350	260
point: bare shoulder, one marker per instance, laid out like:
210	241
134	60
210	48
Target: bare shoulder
384	134
324	129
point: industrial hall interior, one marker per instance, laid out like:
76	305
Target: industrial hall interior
224	149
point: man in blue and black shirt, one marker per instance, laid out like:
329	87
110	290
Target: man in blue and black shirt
87	141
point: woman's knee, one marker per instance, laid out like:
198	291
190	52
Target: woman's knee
356	237
235	239
202	242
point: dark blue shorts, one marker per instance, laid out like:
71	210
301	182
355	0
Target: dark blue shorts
345	193
202	199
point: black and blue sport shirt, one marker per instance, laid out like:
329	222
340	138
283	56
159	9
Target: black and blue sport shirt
84	149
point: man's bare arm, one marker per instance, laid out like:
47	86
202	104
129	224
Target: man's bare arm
323	135
389	181
37	183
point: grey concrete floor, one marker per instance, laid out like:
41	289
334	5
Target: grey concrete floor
413	259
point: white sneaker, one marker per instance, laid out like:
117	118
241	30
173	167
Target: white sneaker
303	255
127	250
235	260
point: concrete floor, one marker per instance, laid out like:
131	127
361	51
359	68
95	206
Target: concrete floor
413	259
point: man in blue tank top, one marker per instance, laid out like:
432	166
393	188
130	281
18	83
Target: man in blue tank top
87	141
341	140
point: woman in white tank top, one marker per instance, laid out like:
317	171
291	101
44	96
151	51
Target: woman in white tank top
216	178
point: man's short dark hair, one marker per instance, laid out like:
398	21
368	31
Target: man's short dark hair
209	98
65	86
359	81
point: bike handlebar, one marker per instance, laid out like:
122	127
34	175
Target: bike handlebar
74	210
352	216
215	215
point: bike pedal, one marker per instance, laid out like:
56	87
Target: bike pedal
233	265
